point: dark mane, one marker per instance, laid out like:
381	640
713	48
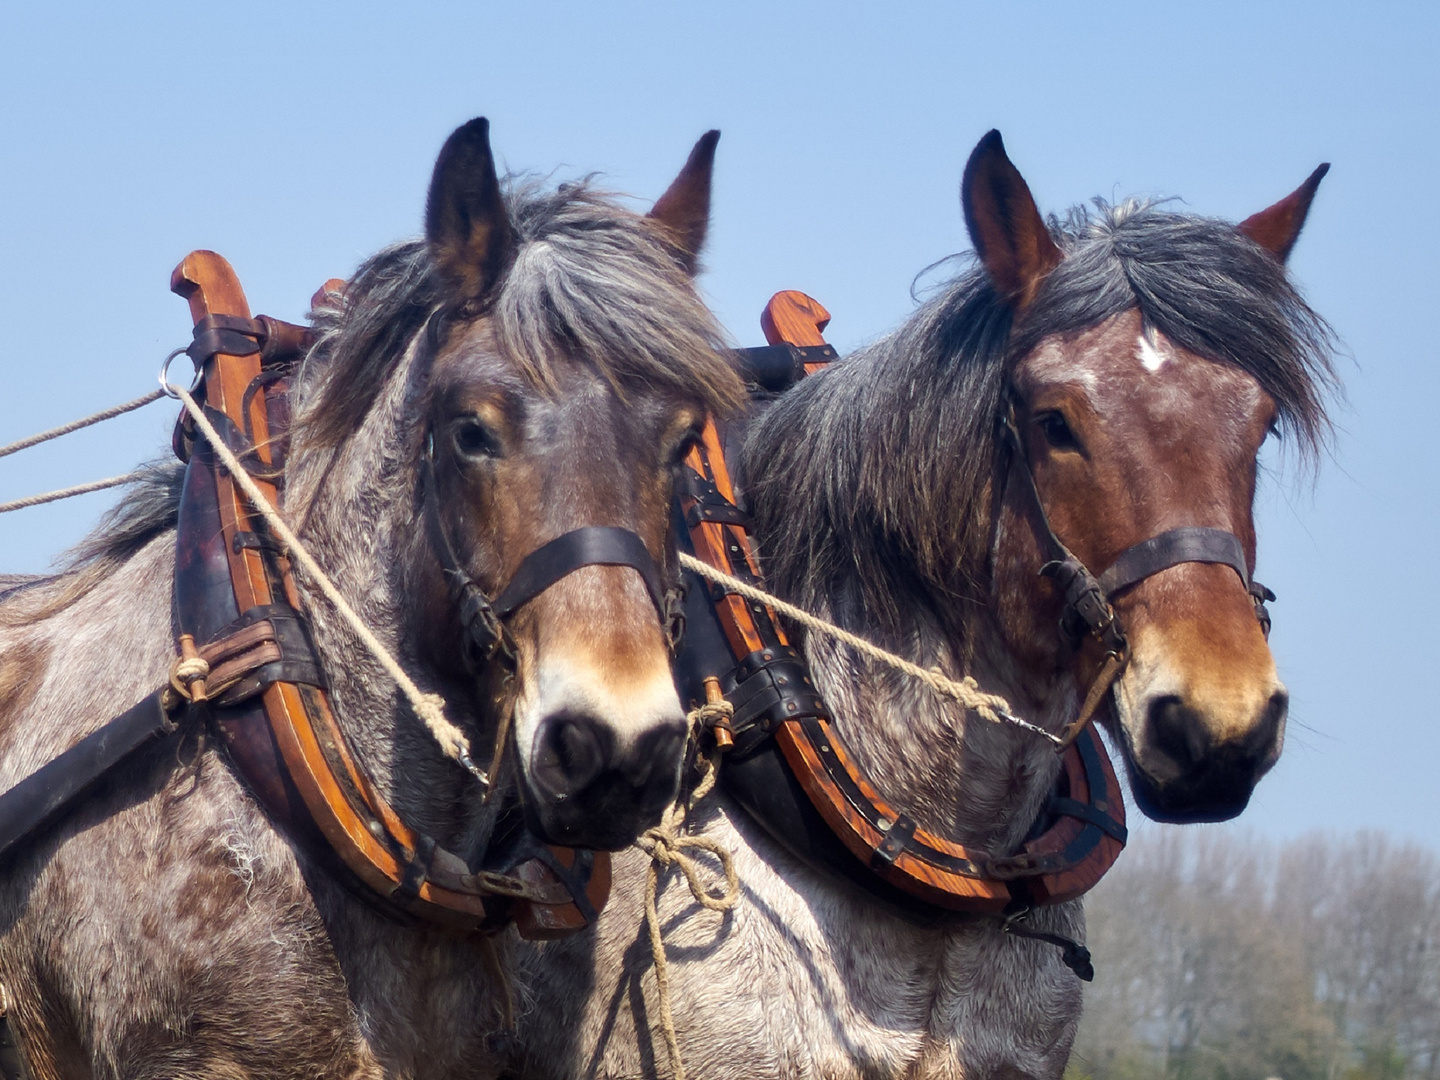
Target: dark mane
589	279
894	481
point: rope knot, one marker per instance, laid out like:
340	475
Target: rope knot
667	845
188	672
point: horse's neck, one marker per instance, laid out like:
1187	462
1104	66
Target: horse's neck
957	774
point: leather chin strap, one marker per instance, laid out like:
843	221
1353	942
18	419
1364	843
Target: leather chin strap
1088	611
483	619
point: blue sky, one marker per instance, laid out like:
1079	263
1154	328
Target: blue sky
297	138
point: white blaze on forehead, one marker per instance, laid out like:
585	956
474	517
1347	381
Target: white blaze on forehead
1153	350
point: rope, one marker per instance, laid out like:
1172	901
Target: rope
76	425
429	707
667	846
967	691
67	493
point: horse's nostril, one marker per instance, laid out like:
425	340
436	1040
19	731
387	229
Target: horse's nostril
569	754
1177	730
1263	737
657	753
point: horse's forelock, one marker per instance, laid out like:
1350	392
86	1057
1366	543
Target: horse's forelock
1206	287
593	280
589	279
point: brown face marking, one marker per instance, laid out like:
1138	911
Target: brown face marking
1130	435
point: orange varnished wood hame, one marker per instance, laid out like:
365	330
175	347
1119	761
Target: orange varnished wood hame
714	541
793	318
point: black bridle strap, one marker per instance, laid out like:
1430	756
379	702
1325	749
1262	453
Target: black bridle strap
1191	543
592	545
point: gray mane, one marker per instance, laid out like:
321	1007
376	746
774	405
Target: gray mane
892	476
590	282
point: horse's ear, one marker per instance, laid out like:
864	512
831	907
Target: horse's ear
684	209
1278	227
1005	224
466	226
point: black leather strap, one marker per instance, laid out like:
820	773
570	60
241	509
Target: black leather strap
47	791
228	334
592	545
1170	548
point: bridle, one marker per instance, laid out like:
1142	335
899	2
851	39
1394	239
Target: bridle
1088	611
485	637
483	619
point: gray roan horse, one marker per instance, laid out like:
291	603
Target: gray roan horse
165	928
1144	356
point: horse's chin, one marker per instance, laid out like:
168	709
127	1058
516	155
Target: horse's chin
1215	794
573	825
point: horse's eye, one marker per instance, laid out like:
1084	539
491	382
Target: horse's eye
474	440
1056	431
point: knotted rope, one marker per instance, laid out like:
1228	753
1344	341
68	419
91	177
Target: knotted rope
667	845
429	707
966	691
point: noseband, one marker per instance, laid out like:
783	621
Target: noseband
1088	611
483	620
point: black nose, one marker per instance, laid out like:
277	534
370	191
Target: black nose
1193	776
591	792
570	752
1183	735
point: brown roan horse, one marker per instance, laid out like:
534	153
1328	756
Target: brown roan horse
1140	357
537	364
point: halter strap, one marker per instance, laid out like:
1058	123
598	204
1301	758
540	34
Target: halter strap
1087	608
591	545
483	619
1191	543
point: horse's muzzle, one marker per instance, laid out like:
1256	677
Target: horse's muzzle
1183	773
585	789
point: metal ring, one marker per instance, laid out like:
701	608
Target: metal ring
165	383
